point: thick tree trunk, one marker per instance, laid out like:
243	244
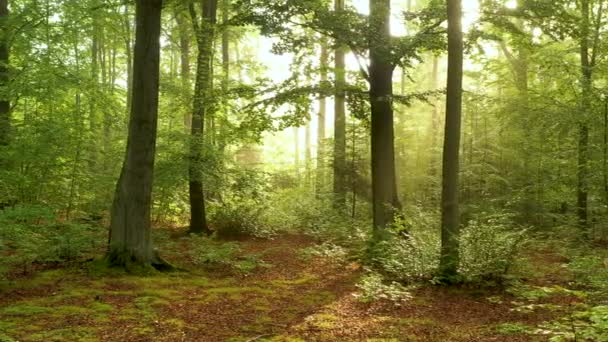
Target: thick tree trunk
450	218
320	177
5	106
127	23
205	33
385	199
340	184
130	240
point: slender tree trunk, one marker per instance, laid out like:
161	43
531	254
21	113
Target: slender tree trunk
583	138
605	154
320	178
184	39
205	33
225	74
184	44
296	142
5	106
93	119
450	217
385	199
130	240
340	123
308	154
76	163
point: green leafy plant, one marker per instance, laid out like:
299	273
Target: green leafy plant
373	287
212	253
488	247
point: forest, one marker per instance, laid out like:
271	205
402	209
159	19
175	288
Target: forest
303	170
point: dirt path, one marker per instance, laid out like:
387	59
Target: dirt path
291	299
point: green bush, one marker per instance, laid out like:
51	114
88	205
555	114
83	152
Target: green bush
373	287
408	259
410	252
591	272
242	208
211	253
29	235
488	248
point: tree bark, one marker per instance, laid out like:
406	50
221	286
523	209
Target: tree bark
340	184
130	241
450	218
605	152
225	74
205	33
127	23
385	199
320	177
184	44
583	137
5	106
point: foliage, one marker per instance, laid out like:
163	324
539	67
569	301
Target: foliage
590	324
373	287
410	257
217	254
30	234
243	206
488	247
409	251
320	219
591	273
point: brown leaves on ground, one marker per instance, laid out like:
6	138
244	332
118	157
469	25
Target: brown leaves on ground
293	299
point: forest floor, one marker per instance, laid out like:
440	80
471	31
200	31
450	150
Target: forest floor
290	298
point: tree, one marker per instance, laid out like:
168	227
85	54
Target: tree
320	177
340	121
5	106
205	34
184	45
130	241
450	217
384	184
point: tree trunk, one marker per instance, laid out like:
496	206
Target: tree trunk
296	160
583	138
127	23
384	192
225	74
605	150
320	178
5	106
130	240
450	218
308	153
340	123
205	33
184	44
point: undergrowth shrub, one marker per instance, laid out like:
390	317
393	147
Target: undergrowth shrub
30	234
591	273
373	287
218	254
318	217
242	208
410	249
488	247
